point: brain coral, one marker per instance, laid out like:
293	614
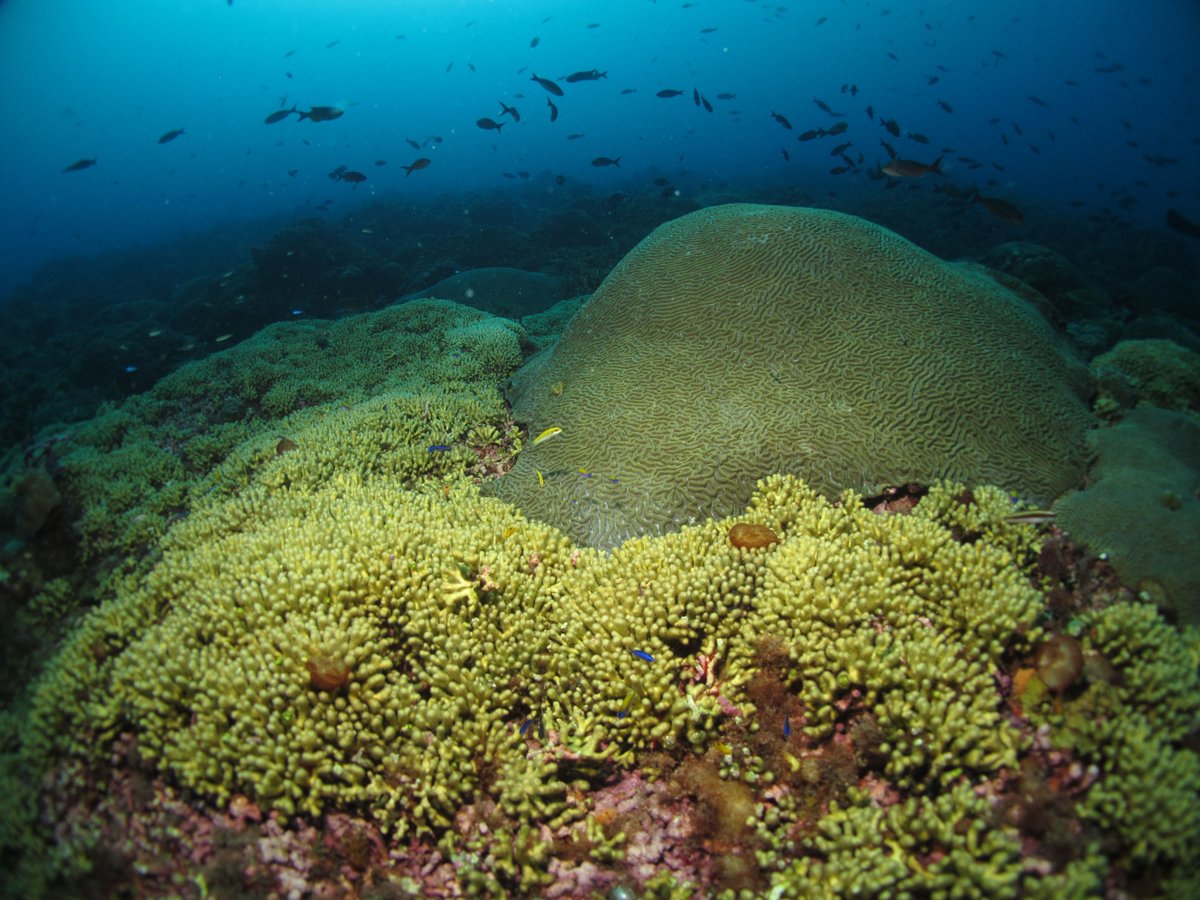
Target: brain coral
741	340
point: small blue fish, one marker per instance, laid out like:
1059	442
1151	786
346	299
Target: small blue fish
438	448
525	727
642	654
787	727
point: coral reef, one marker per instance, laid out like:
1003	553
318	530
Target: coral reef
792	340
450	697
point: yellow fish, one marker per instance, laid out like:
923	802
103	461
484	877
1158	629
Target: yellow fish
541	480
546	435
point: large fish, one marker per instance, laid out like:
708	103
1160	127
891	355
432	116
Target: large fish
321	114
910	168
548	85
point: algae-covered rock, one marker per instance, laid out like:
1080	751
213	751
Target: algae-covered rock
1141	508
499	290
1159	372
742	340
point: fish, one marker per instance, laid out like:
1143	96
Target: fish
575	135
383	162
601	161
588	75
668	92
412	143
355	178
839	170
946	106
279	115
1001	209
553	109
489	124
918	137
416	166
707	30
840	149
888	147
321	114
809	135
822	105
781	120
1038	101
438	448
696	96
726	95
1181	223
545	435
1031	517
548	85
533	43
170	136
786	156
838	128
510	111
892	126
642	655
704	102
80	165
540	477
787	726
910	168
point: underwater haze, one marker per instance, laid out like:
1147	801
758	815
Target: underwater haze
1085	108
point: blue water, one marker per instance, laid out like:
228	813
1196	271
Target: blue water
103	81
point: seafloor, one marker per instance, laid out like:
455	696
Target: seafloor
273	628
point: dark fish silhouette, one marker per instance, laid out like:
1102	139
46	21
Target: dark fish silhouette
534	42
918	137
601	161
510	111
417	165
668	92
279	115
1038	101
1001	209
838	128
888	147
321	114
80	165
489	124
893	128
1182	224
781	120
589	75
704	102
412	143
548	85
946	106
355	178
553	109
910	168
170	136
726	96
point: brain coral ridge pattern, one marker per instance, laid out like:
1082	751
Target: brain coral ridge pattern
741	340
